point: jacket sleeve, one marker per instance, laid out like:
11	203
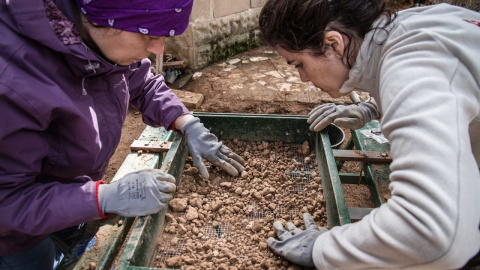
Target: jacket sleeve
28	205
428	98
153	98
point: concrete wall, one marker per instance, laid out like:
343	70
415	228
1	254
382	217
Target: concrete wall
218	29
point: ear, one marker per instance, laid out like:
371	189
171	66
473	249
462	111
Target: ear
335	40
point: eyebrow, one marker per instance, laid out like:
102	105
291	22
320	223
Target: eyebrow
290	62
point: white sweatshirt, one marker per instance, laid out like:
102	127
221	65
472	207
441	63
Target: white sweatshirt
425	77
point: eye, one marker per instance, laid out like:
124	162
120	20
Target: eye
298	65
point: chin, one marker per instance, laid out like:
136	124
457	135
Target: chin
125	63
334	94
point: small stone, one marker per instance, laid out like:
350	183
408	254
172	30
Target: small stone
191	171
226	184
257	226
178	205
174	261
233	61
197	75
191	213
307	160
174	241
305	148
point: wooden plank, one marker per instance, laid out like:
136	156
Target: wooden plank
159	63
174	64
189	99
362	156
152	146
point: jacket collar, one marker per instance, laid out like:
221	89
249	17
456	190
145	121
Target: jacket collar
29	19
363	75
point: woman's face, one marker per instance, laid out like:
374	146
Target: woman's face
326	72
123	47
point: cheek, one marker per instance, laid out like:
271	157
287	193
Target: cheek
107	44
341	74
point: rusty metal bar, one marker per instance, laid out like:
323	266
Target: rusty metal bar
362	156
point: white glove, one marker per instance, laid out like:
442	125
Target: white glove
139	193
202	143
351	117
295	244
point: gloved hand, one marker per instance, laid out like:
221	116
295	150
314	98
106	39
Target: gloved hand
138	193
351	117
202	143
295	244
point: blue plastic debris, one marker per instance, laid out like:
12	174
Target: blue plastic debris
85	244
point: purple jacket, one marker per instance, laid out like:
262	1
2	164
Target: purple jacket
61	113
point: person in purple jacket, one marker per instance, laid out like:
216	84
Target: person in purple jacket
68	72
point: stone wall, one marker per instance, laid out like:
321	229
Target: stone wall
218	29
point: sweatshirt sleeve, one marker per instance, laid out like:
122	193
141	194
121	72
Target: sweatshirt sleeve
153	98
32	204
428	99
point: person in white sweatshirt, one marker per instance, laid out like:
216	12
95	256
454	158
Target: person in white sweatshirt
422	67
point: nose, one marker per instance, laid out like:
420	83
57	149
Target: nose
156	45
303	76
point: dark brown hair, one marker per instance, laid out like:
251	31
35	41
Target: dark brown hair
297	25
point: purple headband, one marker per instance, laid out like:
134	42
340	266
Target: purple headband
149	17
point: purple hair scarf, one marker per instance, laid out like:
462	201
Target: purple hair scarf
149	17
